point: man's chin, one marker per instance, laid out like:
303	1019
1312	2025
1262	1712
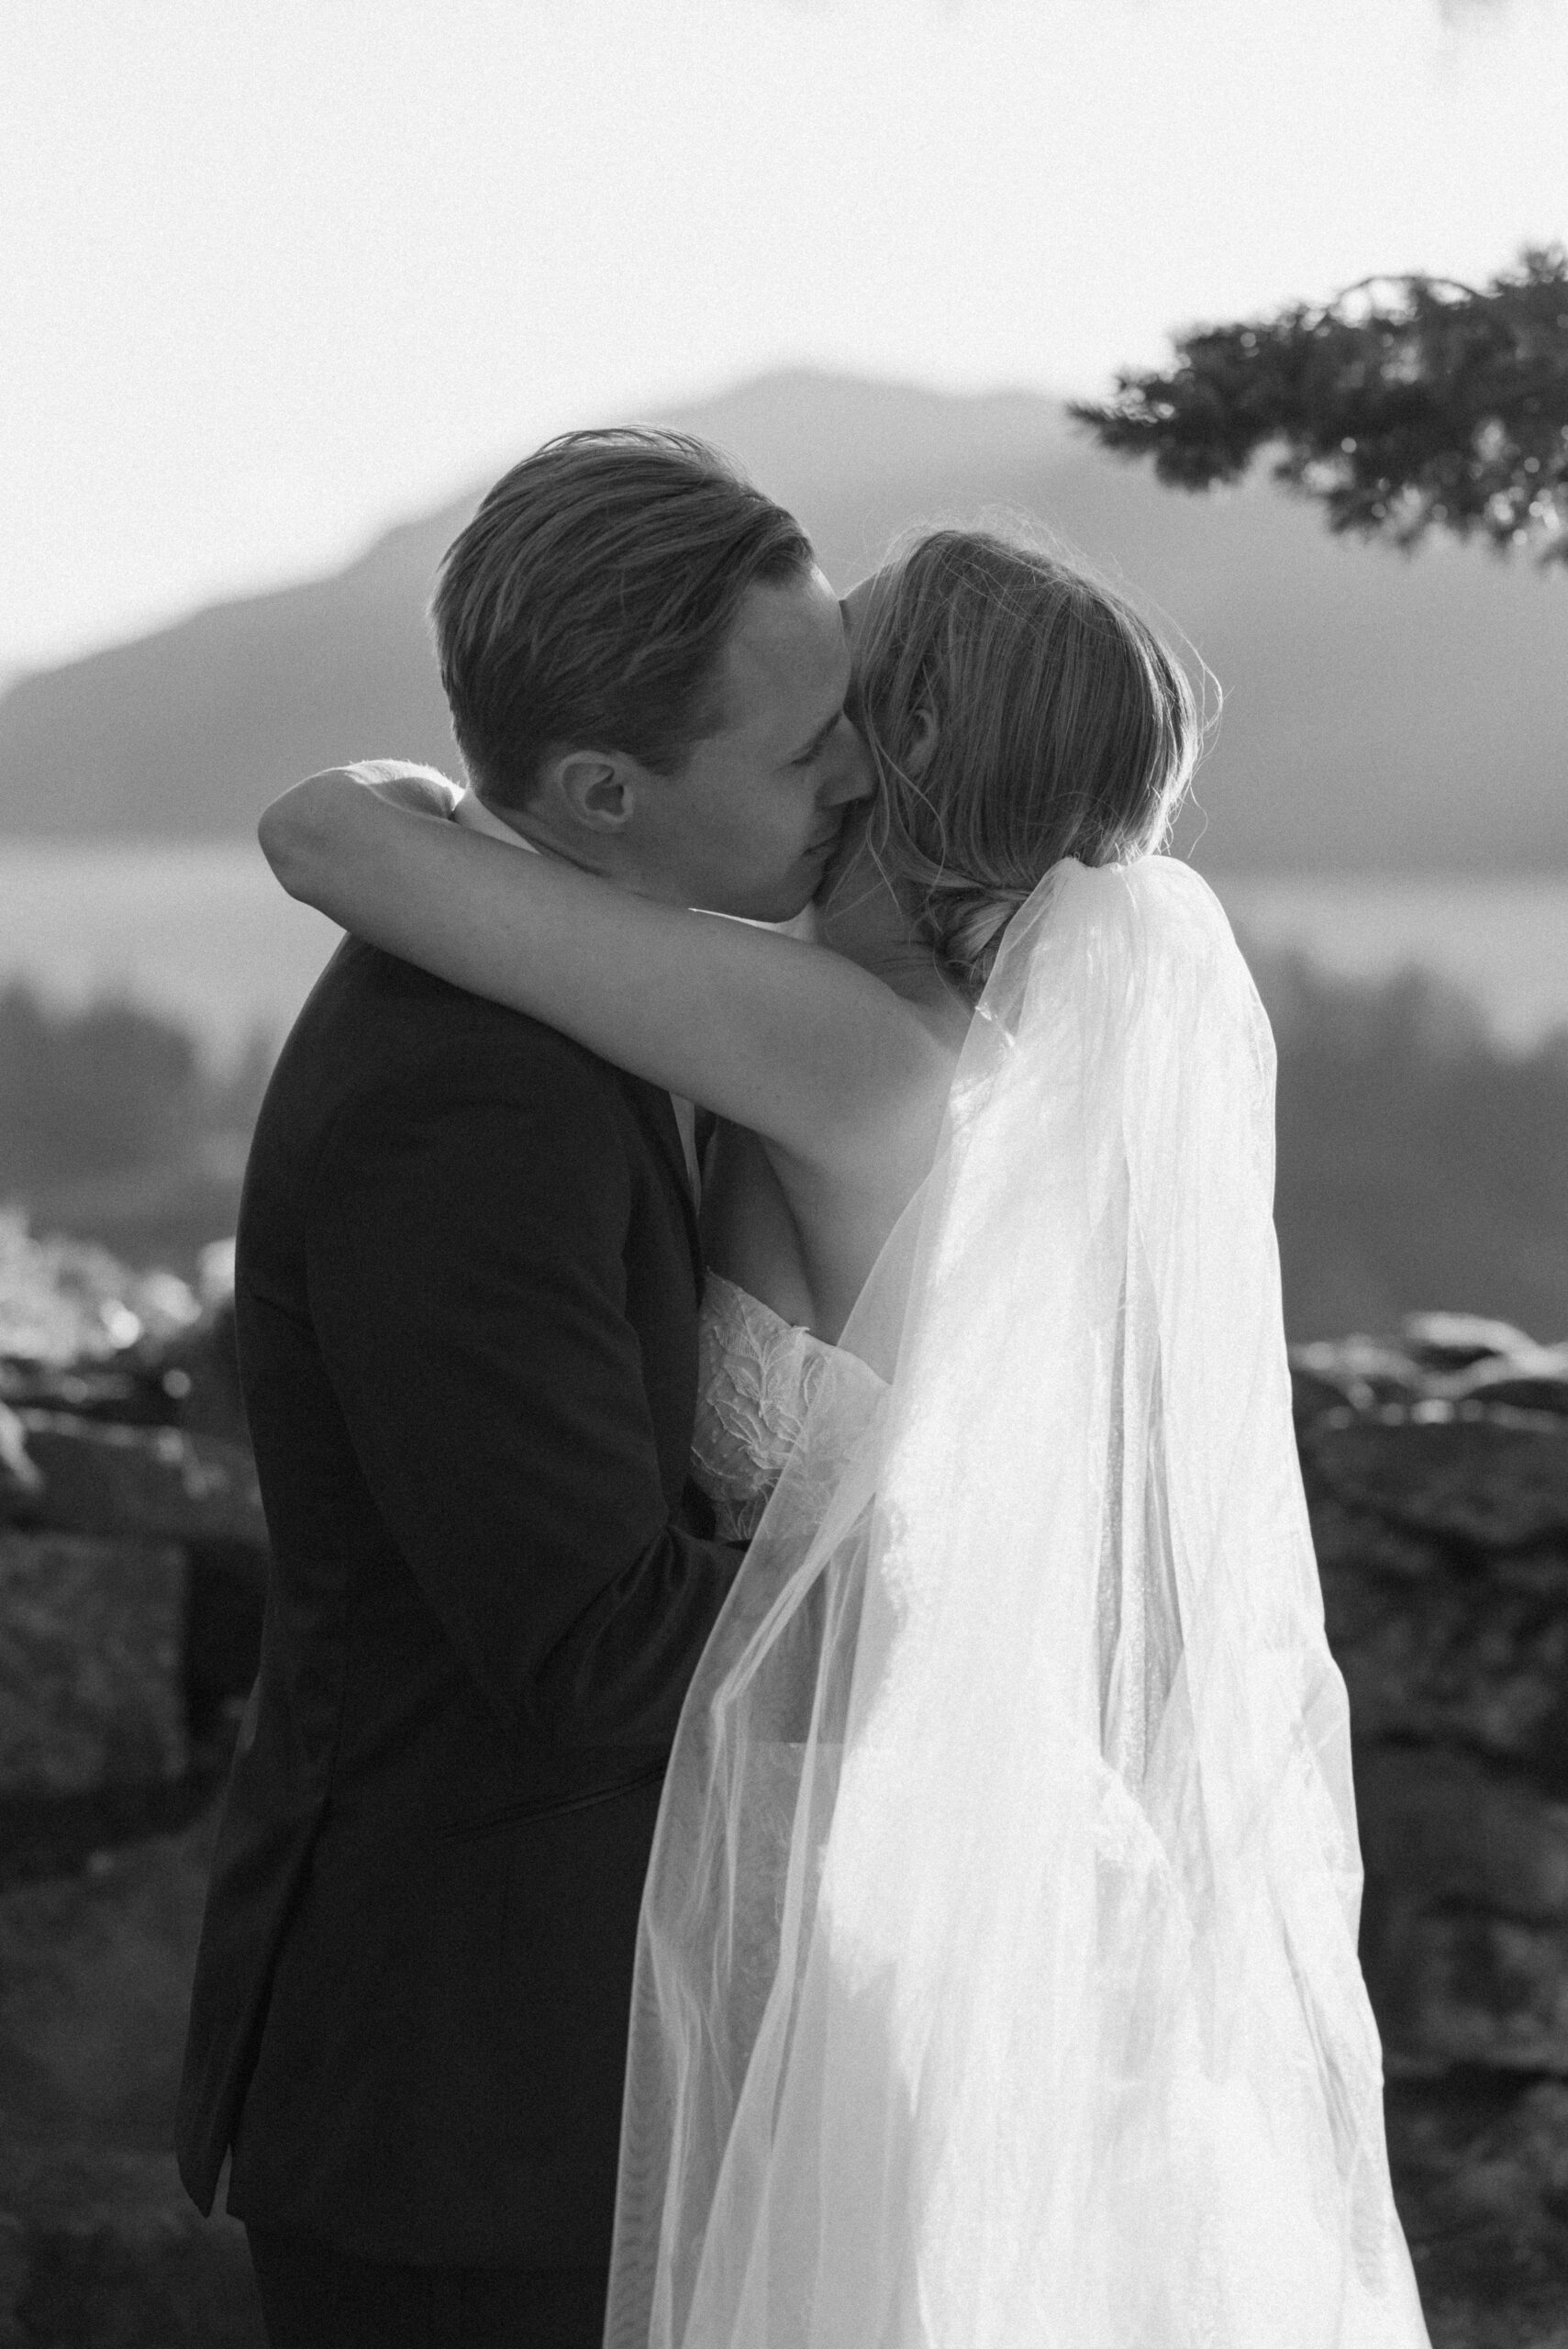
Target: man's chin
769	910
787	899
846	851
785	905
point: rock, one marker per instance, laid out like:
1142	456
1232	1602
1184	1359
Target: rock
1465	1923
1366	1370
1314	1393
1442	1547
1463	1986
200	1371
95	1980
1443	1655
18	1476
1481	2176
1454	1832
1453	1341
69	1301
1458	1360
128	1394
1357	1540
1486	1483
103	2250
155	1482
45	1836
98	2242
92	1676
1531	1383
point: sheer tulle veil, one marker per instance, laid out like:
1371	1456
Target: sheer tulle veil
997	1986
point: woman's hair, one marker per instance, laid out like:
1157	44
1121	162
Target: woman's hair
1063	727
589	601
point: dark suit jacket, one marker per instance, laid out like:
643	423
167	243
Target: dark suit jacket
467	1285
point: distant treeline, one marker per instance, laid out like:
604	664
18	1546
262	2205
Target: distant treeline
1418	1165
109	1087
114	1127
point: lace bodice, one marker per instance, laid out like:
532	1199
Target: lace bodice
757	1378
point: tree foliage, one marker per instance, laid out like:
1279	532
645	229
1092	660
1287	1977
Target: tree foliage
1419	1161
1403	405
106	1087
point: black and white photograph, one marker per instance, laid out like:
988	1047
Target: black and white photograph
783	1175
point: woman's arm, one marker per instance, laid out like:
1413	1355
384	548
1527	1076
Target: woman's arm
795	1041
400	783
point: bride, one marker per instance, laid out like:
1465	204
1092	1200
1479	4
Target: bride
998	1983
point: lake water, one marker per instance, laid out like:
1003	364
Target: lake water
203	931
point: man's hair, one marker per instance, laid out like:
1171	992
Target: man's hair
588	604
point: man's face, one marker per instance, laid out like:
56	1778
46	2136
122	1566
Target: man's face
749	824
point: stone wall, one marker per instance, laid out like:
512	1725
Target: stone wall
132	1563
91	1664
1437	1473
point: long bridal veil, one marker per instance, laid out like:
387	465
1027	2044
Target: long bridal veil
998	1982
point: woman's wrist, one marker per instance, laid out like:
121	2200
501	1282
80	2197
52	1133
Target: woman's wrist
317	822
403	783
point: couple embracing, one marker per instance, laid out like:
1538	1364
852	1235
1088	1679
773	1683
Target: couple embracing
795	1797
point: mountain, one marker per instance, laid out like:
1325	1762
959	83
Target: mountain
1380	712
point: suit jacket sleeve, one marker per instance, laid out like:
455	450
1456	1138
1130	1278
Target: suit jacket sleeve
467	1285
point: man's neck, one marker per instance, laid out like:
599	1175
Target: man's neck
475	817
521	827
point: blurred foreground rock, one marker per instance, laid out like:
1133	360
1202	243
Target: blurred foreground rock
99	2247
70	1302
154	1483
92	1663
132	1566
132	1546
1482	2181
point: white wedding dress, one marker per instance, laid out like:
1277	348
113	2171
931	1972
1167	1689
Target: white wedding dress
758	1378
997	1983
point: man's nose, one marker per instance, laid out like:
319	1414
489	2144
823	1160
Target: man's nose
852	777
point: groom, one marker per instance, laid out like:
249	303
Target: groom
467	1286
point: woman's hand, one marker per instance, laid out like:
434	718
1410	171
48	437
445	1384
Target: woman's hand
319	819
402	784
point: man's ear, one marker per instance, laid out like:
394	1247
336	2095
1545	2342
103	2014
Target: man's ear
597	789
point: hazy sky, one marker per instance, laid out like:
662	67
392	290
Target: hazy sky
273	272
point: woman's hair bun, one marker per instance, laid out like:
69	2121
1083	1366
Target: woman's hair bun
966	927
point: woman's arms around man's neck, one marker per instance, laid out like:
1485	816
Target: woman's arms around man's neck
822	1060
